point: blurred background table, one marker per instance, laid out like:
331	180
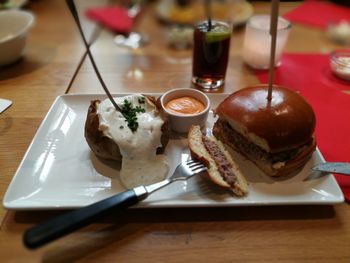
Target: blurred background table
156	67
55	64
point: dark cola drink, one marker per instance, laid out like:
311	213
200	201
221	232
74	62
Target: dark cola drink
210	54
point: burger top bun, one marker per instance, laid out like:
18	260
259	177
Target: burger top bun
285	122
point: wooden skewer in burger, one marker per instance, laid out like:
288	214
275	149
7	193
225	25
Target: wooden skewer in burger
270	125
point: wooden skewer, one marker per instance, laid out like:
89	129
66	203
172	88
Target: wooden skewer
273	33
74	12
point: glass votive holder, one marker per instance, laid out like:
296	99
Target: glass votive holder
211	49
340	63
257	41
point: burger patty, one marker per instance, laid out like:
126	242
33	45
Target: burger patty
223	131
223	165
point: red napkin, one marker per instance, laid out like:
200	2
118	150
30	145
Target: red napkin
318	14
305	73
113	17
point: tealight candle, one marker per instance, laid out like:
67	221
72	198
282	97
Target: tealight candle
257	41
340	63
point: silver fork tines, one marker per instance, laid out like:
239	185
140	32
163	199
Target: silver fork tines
183	171
197	167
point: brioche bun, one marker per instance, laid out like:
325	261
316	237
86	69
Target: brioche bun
277	135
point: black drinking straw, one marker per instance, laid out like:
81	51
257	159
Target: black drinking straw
208	13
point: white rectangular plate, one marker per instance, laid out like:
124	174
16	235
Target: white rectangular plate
59	171
4	104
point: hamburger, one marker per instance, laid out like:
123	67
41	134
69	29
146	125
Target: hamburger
277	135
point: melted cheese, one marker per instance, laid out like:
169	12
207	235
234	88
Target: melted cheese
140	164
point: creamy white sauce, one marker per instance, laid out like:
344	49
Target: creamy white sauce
140	164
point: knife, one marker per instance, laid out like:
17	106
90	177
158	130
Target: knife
333	167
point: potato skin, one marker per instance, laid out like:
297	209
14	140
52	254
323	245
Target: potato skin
101	145
104	147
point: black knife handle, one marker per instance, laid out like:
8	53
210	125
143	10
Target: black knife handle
57	227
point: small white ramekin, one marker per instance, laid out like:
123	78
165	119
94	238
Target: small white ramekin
181	123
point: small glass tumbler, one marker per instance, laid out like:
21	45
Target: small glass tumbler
211	50
257	41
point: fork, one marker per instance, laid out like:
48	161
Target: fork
64	224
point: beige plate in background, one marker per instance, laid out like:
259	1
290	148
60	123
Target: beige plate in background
239	12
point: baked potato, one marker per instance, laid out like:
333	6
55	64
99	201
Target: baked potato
103	146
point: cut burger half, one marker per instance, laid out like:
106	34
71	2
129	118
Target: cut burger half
222	170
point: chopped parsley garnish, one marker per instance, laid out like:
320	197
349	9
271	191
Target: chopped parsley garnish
129	113
142	100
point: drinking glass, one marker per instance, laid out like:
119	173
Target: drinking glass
211	50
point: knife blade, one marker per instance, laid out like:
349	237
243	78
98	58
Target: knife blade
333	167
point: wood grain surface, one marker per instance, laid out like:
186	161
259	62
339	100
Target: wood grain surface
53	52
236	234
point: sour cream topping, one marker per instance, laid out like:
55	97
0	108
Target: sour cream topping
140	164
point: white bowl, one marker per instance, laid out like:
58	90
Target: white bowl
13	31
181	123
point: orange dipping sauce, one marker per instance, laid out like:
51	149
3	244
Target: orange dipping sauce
185	105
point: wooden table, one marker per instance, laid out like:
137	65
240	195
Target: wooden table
236	234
